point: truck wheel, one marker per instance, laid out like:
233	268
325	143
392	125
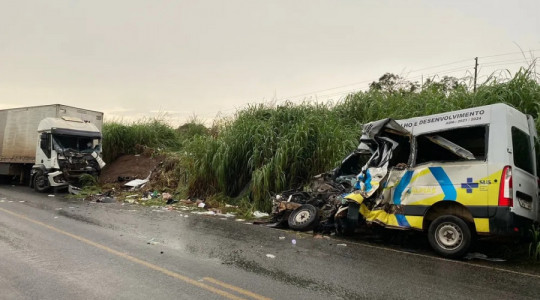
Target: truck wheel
41	182
303	218
449	236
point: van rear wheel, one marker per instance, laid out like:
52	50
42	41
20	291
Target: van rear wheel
41	182
450	236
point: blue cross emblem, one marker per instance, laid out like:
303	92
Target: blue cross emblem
469	185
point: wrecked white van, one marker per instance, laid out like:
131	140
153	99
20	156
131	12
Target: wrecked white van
454	175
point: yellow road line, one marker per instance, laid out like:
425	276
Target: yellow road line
131	258
236	289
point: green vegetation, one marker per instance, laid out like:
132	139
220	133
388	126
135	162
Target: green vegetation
534	246
265	150
135	137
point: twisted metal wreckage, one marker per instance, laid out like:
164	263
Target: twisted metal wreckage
368	187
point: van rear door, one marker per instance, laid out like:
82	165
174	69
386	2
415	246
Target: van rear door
536	156
525	185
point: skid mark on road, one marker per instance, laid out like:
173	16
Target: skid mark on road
148	264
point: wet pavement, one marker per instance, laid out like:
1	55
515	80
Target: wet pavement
53	247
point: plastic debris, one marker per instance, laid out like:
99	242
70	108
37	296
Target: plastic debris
293	242
239	220
166	196
22	201
270	256
136	183
209	212
2	200
342	245
281	237
74	190
56	217
258	214
130	201
152	241
50	195
172	201
201	205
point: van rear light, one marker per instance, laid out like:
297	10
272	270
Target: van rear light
505	189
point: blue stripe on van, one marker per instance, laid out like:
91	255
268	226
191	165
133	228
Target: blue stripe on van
446	184
402	221
403	183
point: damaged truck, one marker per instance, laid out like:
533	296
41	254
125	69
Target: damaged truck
455	176
50	146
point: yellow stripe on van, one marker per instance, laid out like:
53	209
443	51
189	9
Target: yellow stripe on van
415	221
482	225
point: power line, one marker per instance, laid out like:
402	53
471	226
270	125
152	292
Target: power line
441	72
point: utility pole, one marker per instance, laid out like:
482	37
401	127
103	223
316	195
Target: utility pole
475	72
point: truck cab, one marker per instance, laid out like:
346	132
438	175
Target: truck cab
66	148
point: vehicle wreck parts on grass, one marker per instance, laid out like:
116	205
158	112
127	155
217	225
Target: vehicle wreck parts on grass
433	174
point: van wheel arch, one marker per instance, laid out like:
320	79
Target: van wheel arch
446	207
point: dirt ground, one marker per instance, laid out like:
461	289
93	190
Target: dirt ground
129	167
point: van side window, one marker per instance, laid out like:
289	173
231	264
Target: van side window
522	152
459	144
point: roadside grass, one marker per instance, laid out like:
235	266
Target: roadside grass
270	149
534	245
266	149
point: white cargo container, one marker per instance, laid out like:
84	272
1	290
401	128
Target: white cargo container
19	138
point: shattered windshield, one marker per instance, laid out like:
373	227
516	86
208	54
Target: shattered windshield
81	144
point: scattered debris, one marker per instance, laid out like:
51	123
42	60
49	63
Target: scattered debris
208	212
106	200
476	255
136	183
172	201
281	237
201	205
270	256
74	190
342	245
258	214
152	241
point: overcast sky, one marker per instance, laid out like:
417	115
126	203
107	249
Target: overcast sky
136	58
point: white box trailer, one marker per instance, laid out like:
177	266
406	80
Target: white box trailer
19	132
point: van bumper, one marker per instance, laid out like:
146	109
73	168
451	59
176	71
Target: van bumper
505	223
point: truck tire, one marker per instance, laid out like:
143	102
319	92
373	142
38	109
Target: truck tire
41	182
450	236
303	218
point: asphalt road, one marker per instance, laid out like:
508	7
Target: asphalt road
59	248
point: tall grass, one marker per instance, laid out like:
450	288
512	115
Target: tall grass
120	138
265	150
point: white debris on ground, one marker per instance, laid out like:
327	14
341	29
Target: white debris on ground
257	214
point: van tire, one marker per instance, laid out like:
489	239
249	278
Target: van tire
450	236
41	182
303	218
